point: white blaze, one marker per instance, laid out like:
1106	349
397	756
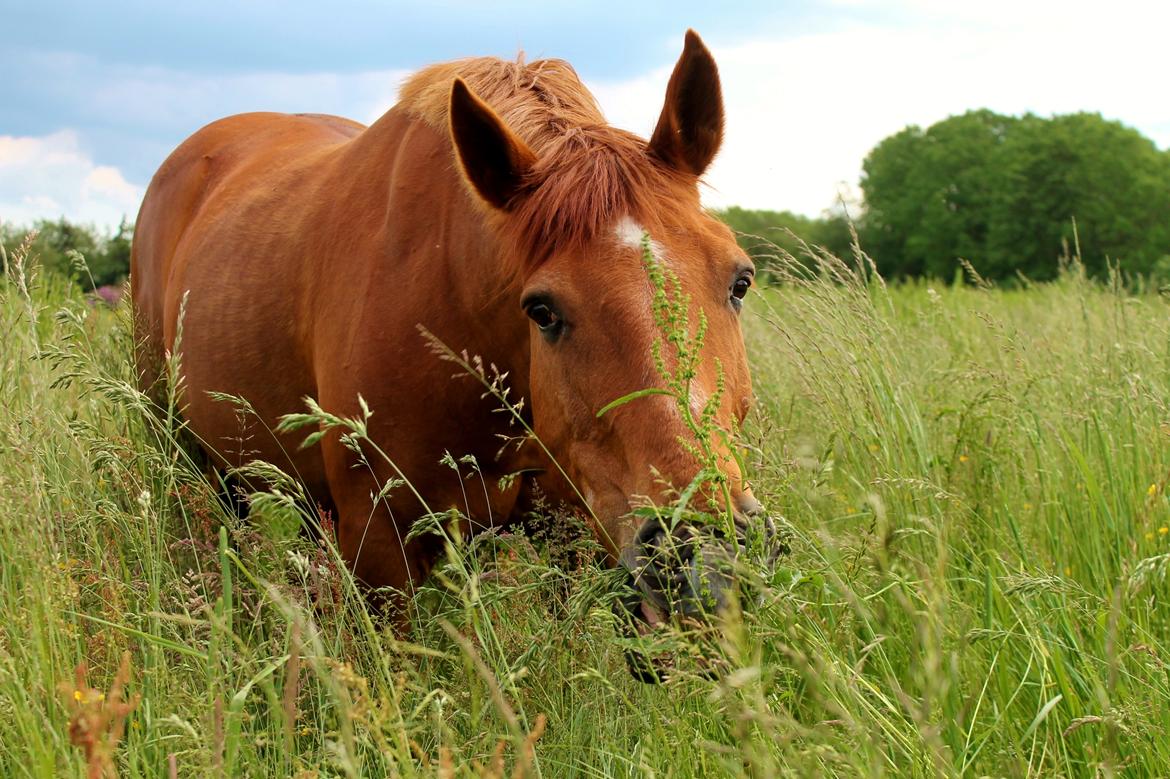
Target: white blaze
629	233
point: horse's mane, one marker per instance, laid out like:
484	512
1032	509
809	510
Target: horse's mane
588	175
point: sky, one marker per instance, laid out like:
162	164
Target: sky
93	96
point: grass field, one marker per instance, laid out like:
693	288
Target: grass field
976	483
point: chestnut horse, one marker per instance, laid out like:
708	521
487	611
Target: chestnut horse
494	207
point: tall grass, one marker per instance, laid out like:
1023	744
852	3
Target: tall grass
975	480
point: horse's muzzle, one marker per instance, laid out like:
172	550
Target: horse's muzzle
695	572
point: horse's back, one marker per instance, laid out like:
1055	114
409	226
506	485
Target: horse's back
216	238
184	189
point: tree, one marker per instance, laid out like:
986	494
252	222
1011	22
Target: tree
928	193
111	264
1109	178
1002	192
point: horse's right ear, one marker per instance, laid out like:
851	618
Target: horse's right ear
494	160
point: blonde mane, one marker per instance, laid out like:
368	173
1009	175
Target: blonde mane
588	176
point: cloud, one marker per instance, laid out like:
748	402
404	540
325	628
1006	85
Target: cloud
51	176
136	116
802	113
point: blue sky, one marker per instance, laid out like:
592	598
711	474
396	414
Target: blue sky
94	95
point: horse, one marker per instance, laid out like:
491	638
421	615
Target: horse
492	210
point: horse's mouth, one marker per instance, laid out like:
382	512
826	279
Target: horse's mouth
644	667
648	618
637	610
641	617
688	577
654	668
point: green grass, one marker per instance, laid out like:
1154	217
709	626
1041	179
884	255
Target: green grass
976	484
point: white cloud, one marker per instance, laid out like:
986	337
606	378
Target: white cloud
803	112
51	176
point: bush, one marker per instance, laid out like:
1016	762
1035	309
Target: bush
761	233
88	256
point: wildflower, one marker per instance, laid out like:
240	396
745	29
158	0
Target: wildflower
97	729
1068	570
963	458
1152	491
1149	536
1163	530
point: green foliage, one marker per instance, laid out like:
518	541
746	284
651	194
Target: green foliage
761	233
1003	192
79	252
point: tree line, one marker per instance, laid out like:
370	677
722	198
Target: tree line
1007	194
1010	195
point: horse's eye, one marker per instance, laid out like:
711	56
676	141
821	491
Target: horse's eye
545	318
739	289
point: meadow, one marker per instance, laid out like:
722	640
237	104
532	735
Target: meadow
974	481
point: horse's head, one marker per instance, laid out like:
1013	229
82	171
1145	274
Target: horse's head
573	204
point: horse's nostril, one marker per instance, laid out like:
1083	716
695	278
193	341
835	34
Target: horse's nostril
748	505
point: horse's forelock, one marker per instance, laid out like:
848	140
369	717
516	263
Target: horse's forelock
583	185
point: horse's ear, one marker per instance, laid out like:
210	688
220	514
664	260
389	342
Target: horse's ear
494	160
690	128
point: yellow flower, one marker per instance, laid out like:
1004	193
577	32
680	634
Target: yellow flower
963	458
77	695
1163	530
1067	571
1149	536
1153	490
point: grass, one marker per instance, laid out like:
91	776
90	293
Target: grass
976	482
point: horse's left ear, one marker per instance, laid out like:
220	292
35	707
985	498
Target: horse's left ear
494	160
690	128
